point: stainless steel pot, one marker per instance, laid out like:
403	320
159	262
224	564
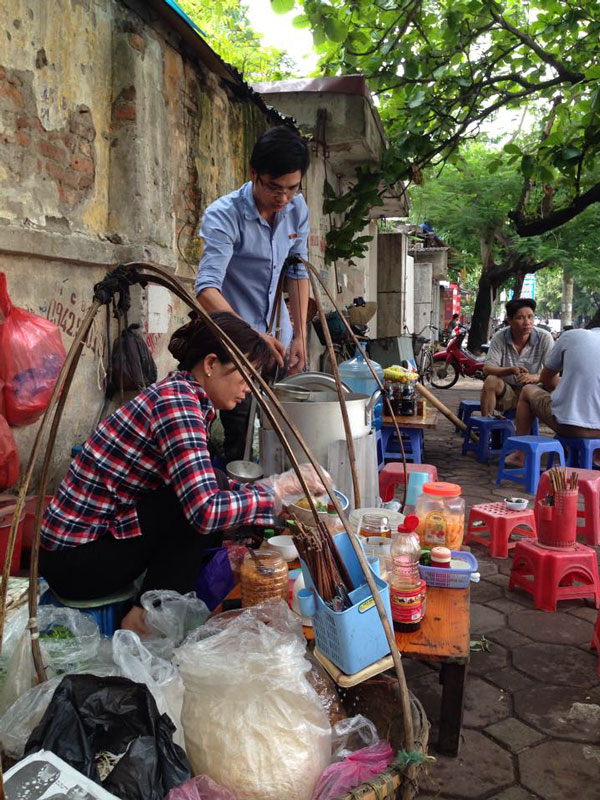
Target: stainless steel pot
321	423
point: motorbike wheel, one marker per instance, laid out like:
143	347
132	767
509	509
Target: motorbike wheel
444	376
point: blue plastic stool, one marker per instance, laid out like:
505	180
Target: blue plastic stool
107	611
412	439
490	429
535	428
466	408
534	448
579	452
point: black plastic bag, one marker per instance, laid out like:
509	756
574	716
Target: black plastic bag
132	365
89	715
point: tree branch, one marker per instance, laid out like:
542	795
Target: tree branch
538	226
548	58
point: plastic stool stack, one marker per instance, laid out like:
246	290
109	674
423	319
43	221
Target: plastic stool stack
534	447
392	475
589	491
107	611
579	452
551	574
492	434
500	523
412	440
596	640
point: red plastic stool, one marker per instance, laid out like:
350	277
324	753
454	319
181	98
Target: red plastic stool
589	489
596	640
550	575
392	475
500	522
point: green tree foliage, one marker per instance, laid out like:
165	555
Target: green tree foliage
468	207
443	68
227	29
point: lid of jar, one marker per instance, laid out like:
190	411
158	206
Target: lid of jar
379	521
395	518
442	489
441	554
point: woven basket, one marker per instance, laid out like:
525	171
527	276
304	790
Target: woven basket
393	782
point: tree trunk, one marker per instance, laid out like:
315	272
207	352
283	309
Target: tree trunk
566	316
479	330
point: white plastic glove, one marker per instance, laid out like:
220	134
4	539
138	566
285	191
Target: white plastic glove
286	487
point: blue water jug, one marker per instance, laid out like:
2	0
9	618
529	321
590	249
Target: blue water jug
355	373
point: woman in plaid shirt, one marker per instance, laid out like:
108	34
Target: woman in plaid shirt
143	495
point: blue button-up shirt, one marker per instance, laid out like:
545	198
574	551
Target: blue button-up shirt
243	255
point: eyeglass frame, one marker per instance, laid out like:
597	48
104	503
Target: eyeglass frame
276	191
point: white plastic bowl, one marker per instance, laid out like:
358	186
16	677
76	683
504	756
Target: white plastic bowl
516	503
285	547
305	514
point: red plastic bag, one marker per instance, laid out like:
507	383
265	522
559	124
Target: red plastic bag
9	457
200	788
357	768
31	357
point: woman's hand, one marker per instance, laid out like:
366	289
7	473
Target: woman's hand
135	620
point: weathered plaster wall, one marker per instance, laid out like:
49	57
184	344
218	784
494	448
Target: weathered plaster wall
112	143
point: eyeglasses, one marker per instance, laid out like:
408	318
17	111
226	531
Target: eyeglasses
276	190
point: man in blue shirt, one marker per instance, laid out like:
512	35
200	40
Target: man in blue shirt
248	235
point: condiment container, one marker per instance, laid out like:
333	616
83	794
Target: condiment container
375	525
441	557
264	575
407	589
441	513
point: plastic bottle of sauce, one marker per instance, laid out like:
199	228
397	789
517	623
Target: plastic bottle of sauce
407	589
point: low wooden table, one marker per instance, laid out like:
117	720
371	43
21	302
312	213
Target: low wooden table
427	422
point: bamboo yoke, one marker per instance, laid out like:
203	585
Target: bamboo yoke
118	280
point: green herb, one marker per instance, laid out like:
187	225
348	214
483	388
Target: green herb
59	632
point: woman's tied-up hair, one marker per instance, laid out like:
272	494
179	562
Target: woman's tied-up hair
195	340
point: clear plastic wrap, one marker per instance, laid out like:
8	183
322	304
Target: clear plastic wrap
252	721
200	788
352	734
138	664
173	615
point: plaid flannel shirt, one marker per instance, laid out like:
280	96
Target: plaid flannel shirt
159	438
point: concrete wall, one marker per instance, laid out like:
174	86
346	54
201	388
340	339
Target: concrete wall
113	139
394	285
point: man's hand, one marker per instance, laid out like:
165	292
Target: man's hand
297	356
523	377
276	347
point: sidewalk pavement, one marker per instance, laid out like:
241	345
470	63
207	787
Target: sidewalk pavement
532	703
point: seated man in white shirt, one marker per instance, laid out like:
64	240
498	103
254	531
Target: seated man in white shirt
571	409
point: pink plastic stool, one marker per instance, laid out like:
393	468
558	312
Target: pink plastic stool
550	575
392	475
500	522
589	489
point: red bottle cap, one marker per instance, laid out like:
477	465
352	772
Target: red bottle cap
410	524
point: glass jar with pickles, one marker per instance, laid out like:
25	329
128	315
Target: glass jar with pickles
441	512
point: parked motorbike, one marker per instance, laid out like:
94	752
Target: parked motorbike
454	361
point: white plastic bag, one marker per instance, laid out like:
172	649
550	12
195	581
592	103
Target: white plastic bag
138	664
173	615
252	721
352	734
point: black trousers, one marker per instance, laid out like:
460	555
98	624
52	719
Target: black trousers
169	550
235	425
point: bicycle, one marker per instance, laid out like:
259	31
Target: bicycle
343	344
423	349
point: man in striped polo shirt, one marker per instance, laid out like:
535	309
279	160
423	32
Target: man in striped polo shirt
515	358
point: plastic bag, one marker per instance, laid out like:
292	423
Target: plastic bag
91	721
18	673
252	721
31	357
132	365
138	664
352	734
200	788
173	615
360	767
215	579
9	457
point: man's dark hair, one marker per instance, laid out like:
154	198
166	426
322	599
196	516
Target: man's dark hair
279	151
194	341
520	302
